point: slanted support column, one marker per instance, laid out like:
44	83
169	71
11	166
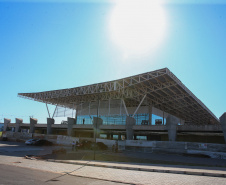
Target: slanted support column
124	104
139	105
6	122
223	125
129	127
71	122
18	122
97	122
50	122
33	122
171	124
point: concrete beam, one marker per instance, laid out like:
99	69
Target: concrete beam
33	122
199	128
50	122
130	122
18	122
223	124
6	122
112	127
71	122
171	124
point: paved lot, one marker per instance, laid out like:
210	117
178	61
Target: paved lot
108	174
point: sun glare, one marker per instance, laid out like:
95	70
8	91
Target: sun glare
137	27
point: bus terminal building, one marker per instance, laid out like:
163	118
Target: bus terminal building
153	106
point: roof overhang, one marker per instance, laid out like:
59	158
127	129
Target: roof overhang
162	88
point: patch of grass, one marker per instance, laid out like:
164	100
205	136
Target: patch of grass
126	159
116	157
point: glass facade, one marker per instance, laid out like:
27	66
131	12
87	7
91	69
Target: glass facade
141	119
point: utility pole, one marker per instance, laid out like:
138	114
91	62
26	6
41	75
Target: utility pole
95	130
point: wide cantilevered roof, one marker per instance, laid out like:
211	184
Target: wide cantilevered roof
162	88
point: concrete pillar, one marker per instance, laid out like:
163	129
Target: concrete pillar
223	124
171	124
119	137
163	118
129	127
150	114
108	136
76	115
6	122
18	122
50	122
148	137
33	122
71	122
97	122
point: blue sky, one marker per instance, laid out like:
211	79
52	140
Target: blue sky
54	45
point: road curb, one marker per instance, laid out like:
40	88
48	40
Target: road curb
151	169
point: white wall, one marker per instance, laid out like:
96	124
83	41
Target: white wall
139	143
107	142
66	140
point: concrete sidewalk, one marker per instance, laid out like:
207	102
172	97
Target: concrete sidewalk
108	173
176	169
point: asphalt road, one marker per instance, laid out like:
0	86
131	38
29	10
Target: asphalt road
20	149
14	175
